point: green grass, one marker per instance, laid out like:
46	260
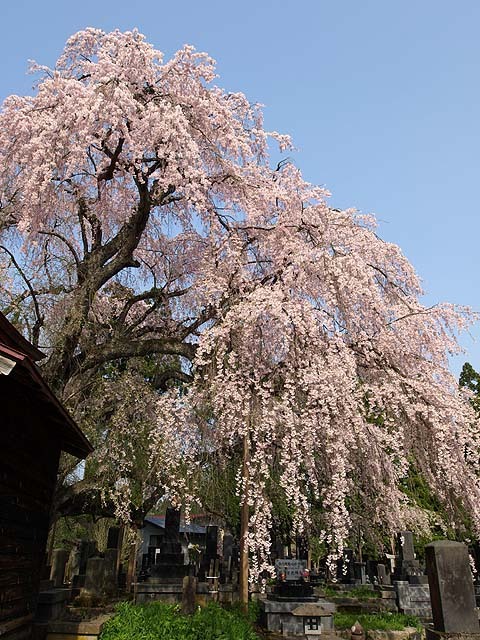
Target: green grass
360	593
160	621
378	621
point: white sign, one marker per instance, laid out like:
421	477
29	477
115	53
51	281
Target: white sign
293	569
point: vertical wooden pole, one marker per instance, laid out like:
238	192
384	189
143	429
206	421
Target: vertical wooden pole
132	565
120	547
244	518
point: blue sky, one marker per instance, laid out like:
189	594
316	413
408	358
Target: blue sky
381	98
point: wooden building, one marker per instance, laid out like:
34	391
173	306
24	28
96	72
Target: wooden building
34	429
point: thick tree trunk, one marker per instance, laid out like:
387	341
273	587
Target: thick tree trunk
244	518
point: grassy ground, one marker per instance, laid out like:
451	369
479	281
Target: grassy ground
160	621
360	593
379	621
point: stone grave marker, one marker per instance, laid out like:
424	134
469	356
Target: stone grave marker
345	567
94	576
211	542
409	566
74	562
292	569
407	551
382	575
169	565
172	525
110	571
59	562
359	572
451	589
227	546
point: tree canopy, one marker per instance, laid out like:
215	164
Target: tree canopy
148	246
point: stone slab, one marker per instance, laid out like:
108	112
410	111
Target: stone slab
275	606
451	587
431	634
70	630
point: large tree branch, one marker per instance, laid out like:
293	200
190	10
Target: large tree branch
108	171
140	348
160	381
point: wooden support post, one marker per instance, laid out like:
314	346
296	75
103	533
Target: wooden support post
132	565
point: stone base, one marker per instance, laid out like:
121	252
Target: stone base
152	590
158	590
414	599
51	604
169	573
65	630
418	579
227	593
277	617
409	633
444	635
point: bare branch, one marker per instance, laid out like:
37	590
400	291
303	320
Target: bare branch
39	318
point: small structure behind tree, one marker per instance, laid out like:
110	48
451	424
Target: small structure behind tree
35	428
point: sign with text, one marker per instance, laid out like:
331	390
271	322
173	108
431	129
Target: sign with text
293	569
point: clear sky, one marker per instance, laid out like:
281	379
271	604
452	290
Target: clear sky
381	98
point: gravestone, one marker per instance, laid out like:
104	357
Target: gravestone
382	575
94	576
345	567
226	566
170	565
292	608
211	542
87	549
291	569
115	541
210	556
59	562
110	571
407	550
279	548
291	584
74	563
359	572
227	546
302	548
172	525
451	588
408	567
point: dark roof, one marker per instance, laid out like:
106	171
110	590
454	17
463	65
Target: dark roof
11	337
159	521
15	347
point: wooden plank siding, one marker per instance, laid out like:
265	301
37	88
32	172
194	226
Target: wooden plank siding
28	466
34	428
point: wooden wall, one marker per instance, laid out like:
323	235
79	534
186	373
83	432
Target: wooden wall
28	468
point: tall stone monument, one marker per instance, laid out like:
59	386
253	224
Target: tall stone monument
170	565
451	590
